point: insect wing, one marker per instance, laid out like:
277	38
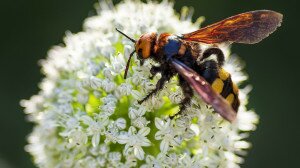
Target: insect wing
249	28
203	88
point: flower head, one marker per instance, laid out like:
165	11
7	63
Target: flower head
87	115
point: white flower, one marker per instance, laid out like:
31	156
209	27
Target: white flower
87	115
95	128
77	137
134	141
152	162
167	134
136	116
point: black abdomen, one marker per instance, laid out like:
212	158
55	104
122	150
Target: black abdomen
220	81
211	70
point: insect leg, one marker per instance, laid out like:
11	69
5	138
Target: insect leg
159	85
214	51
154	70
188	94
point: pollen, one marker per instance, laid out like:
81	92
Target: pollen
218	85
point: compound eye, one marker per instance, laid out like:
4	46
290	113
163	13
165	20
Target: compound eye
140	53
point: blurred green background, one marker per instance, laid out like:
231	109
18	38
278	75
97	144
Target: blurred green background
29	28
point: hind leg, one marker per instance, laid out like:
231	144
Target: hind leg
188	94
214	51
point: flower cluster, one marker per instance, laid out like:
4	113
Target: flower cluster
87	115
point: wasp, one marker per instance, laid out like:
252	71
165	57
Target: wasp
199	68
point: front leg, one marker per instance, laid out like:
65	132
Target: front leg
154	70
165	76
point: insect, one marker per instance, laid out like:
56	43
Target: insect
199	68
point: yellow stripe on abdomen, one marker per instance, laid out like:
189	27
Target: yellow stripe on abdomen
218	85
230	98
223	74
223	85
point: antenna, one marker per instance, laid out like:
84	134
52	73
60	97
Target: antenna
128	63
131	39
131	54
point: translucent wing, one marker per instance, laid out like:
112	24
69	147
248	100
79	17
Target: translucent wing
205	91
250	27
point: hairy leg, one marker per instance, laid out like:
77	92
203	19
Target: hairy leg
214	51
154	70
188	94
165	76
